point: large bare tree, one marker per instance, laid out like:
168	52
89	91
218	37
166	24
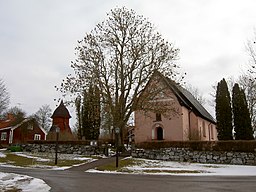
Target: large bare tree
247	80
43	117
4	97
249	86
251	51
120	55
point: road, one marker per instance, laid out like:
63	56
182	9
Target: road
78	181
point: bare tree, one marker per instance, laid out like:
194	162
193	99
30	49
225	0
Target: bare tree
43	117
120	55
251	51
196	93
4	97
17	113
249	86
247	81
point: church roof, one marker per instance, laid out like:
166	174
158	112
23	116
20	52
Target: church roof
61	111
187	99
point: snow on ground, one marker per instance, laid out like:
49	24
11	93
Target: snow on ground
2	155
28	184
22	154
52	155
24	183
9	181
185	169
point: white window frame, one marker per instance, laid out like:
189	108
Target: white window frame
37	137
3	136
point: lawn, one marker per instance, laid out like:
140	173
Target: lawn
143	166
24	159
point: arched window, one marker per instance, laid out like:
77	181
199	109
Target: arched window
160	133
158	117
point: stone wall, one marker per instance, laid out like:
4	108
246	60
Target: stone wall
66	148
187	155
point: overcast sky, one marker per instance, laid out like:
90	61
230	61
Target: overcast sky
38	38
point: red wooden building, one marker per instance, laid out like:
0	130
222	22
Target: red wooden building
13	131
60	119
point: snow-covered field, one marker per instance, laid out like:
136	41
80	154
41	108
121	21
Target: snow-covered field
185	169
11	181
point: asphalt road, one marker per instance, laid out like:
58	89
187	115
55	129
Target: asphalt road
79	181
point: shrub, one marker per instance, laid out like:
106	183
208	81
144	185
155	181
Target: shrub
15	148
238	146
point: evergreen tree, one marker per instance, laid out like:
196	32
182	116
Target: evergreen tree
91	114
85	117
223	111
78	117
242	120
96	120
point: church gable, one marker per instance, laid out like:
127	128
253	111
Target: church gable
157	97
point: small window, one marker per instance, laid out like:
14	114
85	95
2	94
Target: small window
158	117
161	95
3	136
37	137
212	132
204	129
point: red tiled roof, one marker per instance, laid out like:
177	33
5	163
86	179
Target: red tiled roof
5	123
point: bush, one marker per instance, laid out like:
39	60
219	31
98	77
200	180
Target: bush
236	146
15	148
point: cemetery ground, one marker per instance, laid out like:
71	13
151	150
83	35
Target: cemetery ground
127	166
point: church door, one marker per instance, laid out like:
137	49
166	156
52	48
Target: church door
160	133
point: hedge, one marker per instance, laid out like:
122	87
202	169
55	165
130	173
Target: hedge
238	146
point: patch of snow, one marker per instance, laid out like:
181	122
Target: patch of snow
24	183
82	158
185	169
9	165
97	171
60	168
22	154
2	155
3	149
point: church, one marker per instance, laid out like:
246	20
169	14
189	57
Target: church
191	120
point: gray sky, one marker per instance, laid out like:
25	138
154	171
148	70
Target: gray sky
38	38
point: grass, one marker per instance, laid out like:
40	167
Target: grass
66	161
124	165
121	166
16	160
12	190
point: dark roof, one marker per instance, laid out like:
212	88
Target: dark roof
188	100
61	111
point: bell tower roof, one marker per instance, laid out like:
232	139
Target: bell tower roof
61	111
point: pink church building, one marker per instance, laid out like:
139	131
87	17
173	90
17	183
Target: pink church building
191	120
